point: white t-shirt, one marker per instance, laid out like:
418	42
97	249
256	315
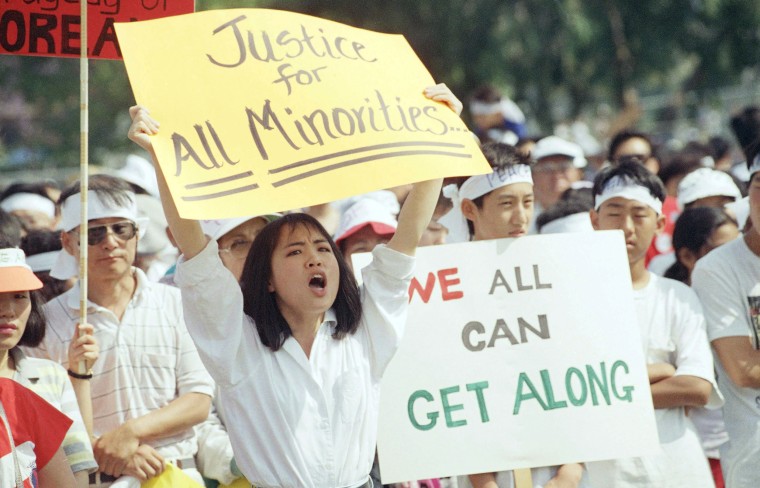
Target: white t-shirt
294	421
672	331
723	280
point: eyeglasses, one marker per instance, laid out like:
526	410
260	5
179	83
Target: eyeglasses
124	231
238	249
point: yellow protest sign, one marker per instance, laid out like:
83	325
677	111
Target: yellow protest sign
265	110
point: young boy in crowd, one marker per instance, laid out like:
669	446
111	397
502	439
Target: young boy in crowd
493	206
628	197
726	281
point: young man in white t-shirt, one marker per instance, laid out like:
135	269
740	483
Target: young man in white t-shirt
726	281
495	206
629	198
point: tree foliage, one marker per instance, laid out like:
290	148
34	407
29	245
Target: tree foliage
557	58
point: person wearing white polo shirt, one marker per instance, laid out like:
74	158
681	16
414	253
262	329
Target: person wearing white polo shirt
726	281
629	198
149	387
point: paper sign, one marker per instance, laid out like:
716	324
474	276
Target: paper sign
265	110
517	354
53	27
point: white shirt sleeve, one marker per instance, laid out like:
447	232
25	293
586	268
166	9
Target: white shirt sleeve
693	356
385	301
724	306
226	338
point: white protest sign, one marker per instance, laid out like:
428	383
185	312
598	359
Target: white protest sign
517	353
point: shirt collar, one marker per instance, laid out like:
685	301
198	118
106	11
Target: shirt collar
24	368
72	296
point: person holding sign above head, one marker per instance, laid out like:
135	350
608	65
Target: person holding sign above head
297	348
628	197
494	206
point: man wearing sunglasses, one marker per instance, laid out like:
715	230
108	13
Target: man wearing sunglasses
148	386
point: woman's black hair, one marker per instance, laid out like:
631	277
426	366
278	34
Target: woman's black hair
692	231
35	325
260	304
499	156
633	172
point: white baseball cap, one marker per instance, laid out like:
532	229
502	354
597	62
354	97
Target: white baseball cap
706	182
217	228
364	212
556	146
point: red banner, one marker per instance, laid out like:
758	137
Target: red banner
53	27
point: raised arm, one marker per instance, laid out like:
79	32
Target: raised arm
187	233
420	204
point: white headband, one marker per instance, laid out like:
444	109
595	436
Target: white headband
483	108
96	209
621	187
578	222
477	186
42	262
29	201
67	266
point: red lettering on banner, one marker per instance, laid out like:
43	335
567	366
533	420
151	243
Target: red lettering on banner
53	27
446	282
446	277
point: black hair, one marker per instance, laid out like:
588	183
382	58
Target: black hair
108	188
633	172
582	195
746	128
680	164
500	156
625	135
10	228
34	332
37	242
692	231
719	147
578	201
35	188
486	94
260	304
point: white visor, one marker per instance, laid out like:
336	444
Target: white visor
477	186
42	262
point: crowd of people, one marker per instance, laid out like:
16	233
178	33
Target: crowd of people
242	352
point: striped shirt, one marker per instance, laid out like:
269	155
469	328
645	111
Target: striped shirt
50	381
146	360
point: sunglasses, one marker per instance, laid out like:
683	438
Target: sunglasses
124	231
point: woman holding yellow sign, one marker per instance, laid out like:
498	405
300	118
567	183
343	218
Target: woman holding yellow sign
297	348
